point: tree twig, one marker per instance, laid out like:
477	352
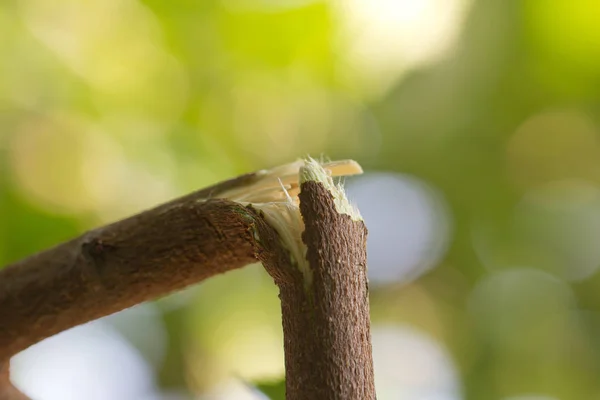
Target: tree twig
117	266
325	306
254	217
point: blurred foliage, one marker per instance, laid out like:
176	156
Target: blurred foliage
109	107
274	390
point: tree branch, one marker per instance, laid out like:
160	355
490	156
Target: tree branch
252	218
120	265
325	305
128	262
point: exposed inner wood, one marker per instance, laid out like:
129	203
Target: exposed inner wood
326	325
187	240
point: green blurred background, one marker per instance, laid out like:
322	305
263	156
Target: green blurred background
477	123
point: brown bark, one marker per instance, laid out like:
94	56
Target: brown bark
123	264
326	323
117	266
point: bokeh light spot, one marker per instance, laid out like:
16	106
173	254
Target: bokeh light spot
55	178
562	220
91	362
385	38
116	46
554	145
411	366
70	165
134	324
518	307
291	119
408	222
241	337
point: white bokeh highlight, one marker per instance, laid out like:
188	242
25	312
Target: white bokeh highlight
143	326
383	39
411	366
91	362
408	224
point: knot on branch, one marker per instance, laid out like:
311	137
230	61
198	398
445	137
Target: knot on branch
95	250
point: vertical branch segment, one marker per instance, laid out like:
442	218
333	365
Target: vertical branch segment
337	256
326	313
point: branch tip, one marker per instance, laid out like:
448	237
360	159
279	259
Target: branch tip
313	171
276	195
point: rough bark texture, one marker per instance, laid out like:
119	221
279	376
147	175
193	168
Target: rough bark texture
123	264
116	267
326	324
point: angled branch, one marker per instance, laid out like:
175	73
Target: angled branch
128	262
254	217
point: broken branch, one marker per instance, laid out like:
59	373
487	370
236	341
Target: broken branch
321	273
